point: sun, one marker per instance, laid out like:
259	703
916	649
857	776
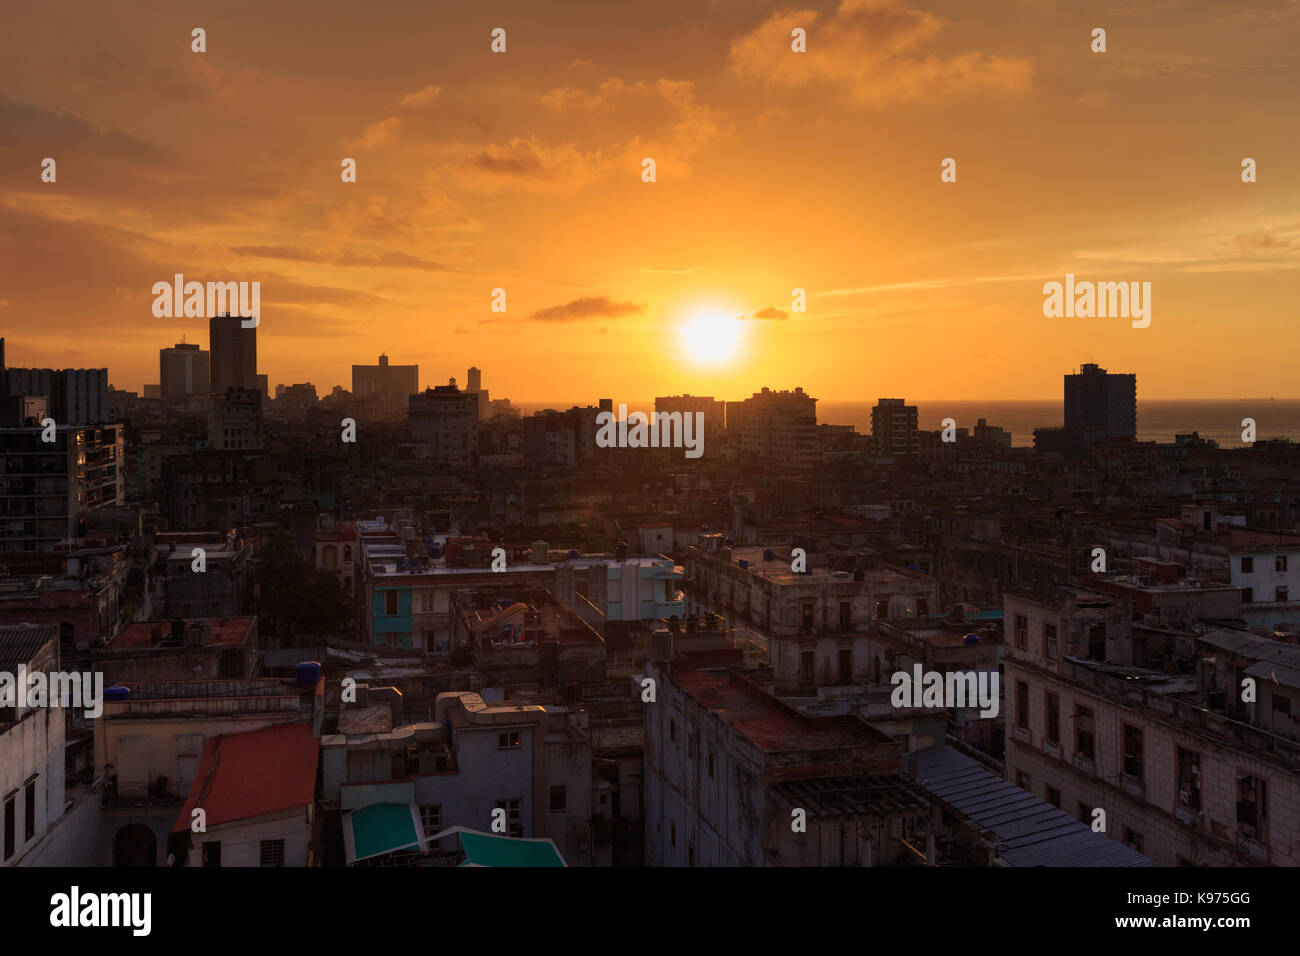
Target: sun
712	337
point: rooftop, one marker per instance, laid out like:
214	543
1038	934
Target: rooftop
215	632
252	774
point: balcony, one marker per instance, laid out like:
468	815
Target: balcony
1253	848
1021	734
1051	749
1188	815
1084	764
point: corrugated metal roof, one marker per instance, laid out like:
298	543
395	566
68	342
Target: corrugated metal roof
19	643
1029	831
1284	674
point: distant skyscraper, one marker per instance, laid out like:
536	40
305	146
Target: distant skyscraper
233	356
385	379
1095	398
714	416
474	386
182	371
894	428
77	396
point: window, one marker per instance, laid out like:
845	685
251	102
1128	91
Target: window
1189	779
881	609
514	820
1247	565
1247	595
1133	839
1097	642
1053	718
1281	704
11	836
922	607
1280	595
558	797
272	853
806	667
672	729
29	809
1133	752
846	666
1022	705
431	818
806	611
1279	563
212	853
1049	641
1022	780
846	616
390	602
1085	813
1022	631
508	741
1054	797
1252	806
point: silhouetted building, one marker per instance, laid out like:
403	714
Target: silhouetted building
233	357
183	370
894	428
1099	399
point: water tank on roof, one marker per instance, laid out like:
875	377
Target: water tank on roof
744	563
769	554
541	551
574	554
729	542
117	692
308	673
620	550
971	639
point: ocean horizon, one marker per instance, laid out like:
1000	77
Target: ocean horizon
1158	419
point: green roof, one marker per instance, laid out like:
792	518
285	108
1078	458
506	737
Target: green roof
380	828
485	849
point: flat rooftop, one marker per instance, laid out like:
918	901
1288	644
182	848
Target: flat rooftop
765	722
219	632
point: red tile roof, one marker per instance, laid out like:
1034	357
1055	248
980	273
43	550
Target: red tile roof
251	774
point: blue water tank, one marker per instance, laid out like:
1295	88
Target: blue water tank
574	554
744	563
971	639
117	692
308	673
769	554
729	542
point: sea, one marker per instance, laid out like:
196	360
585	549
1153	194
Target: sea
1158	420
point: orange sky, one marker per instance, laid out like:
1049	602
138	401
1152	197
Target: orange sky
776	170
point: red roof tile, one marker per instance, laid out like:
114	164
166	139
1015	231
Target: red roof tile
252	774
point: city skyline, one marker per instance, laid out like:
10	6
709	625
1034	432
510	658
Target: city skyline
522	170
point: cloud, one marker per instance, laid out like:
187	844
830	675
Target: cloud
421	117
527	162
771	312
1259	242
589	307
387	260
872	50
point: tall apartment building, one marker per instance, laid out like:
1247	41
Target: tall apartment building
894	428
183	371
46	488
77	396
233	356
714	416
235	420
565	438
1095	398
776	426
385	379
445	420
474	385
1148	725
